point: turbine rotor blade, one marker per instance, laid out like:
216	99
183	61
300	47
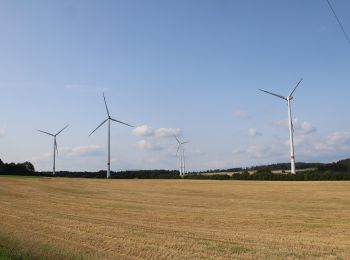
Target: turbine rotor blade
177	151
62	130
186	142
279	96
291	93
99	126
45	132
104	98
120	122
177	139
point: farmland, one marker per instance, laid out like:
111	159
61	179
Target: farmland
180	219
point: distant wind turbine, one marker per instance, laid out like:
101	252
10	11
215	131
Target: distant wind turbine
181	148
290	121
109	119
55	150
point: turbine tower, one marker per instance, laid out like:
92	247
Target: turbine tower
55	150
290	123
109	119
181	148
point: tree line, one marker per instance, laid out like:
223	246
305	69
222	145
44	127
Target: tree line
332	171
26	168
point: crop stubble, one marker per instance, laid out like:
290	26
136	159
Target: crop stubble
178	219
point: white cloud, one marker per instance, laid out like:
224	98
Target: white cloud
153	138
143	131
167	132
147	145
83	151
241	114
254	132
148	131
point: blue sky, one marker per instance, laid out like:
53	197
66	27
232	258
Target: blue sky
186	67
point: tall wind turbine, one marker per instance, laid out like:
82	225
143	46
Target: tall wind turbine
55	150
109	119
290	123
181	148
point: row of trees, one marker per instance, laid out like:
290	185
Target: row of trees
25	168
141	174
267	175
272	167
333	171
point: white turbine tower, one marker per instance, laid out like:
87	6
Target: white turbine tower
290	122
181	148
109	119
55	150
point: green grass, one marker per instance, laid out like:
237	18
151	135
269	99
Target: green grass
11	254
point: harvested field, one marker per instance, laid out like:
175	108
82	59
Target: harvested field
61	218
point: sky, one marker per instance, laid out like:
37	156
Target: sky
184	67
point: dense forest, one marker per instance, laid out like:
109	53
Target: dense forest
312	171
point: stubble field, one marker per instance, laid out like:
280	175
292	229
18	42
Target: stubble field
61	218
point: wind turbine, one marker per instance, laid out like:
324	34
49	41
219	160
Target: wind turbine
109	119
290	123
181	145
55	150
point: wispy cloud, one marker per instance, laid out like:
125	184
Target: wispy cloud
304	127
241	114
300	127
254	132
42	157
75	152
337	141
2	132
148	145
167	132
260	153
282	122
83	151
308	147
218	164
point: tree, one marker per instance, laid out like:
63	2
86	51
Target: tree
28	166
